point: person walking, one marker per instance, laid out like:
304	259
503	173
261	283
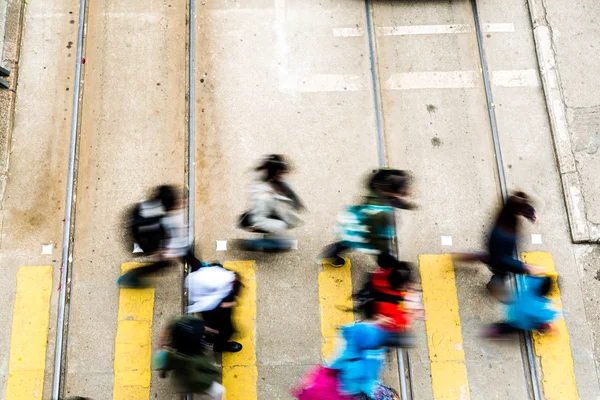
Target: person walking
158	227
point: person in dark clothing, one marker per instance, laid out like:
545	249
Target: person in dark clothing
183	351
502	244
370	226
158	227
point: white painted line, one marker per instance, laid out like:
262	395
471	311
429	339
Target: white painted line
327	83
536	238
347	32
405	30
516	78
423	29
137	248
499	28
47	248
431	80
446	240
221	245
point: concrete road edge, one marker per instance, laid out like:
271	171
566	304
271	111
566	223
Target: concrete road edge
9	60
546	56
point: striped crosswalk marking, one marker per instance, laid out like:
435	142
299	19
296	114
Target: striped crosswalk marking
29	334
554	350
444	337
239	369
335	300
133	343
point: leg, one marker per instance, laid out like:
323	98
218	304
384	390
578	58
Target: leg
500	330
192	261
333	253
220	319
132	278
470	257
497	287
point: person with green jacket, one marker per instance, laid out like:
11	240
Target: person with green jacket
183	352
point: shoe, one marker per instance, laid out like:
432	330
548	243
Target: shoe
128	282
336	262
229	347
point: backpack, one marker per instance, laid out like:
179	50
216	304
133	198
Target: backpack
147	232
358	225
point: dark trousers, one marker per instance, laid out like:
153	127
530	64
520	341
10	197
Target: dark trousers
220	319
155	267
335	250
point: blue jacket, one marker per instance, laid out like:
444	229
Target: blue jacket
529	310
362	358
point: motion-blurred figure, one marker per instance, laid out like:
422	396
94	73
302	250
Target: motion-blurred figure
529	310
389	291
158	227
183	352
354	371
369	227
212	291
274	206
502	244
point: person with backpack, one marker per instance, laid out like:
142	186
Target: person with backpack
274	206
158	227
212	291
370	226
529	310
183	352
501	257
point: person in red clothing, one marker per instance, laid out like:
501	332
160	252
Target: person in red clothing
389	293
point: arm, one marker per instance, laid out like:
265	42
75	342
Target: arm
514	265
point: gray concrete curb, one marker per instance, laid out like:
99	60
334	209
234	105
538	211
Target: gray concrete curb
10	60
546	56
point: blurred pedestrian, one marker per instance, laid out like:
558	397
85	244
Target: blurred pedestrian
183	352
158	227
529	310
355	369
502	244
370	226
274	206
212	291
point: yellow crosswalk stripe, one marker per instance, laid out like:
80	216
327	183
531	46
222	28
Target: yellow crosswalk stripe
29	333
335	299
133	343
444	337
554	350
240	374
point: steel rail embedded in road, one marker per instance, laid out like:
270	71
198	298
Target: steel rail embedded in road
191	150
518	282
402	355
62	323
